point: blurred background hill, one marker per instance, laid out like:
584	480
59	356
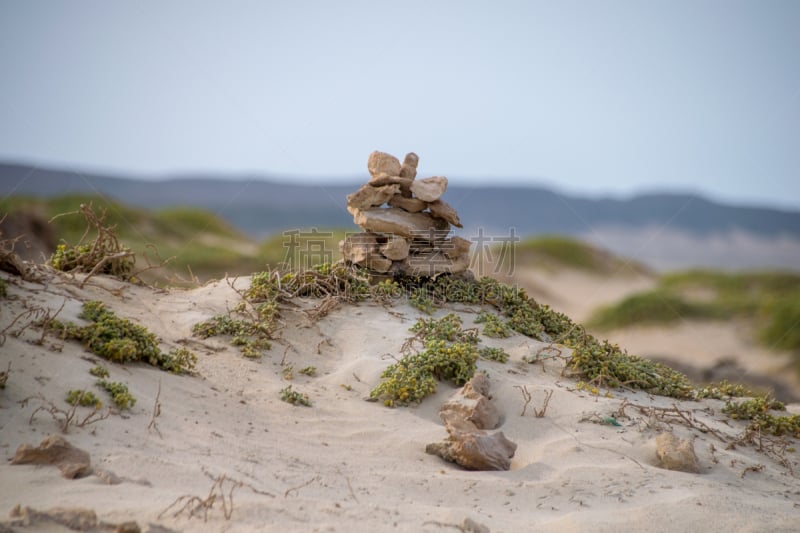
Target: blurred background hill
665	231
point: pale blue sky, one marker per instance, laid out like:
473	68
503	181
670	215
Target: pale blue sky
594	97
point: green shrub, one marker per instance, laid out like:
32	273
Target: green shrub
757	411
120	395
494	326
447	328
494	354
414	376
780	316
654	307
310	371
99	371
294	397
120	340
83	398
422	301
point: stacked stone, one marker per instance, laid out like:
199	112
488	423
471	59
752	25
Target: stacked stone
411	235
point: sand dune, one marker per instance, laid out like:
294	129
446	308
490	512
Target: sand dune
345	464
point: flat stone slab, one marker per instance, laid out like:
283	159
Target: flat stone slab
396	221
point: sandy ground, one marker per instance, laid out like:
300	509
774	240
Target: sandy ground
345	464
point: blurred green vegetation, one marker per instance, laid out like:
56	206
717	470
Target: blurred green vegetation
555	251
769	300
196	241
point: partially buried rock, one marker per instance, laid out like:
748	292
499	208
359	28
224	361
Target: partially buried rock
467	444
381	163
472	403
676	454
55	450
429	189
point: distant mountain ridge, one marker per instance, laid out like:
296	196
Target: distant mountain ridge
260	207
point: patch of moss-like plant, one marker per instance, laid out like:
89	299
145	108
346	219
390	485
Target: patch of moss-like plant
414	376
494	325
447	328
122	341
120	395
422	301
494	354
295	398
721	391
99	371
310	371
449	355
3	288
83	398
250	327
757	411
599	363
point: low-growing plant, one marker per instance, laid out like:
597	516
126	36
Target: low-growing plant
120	395
83	398
422	301
494	325
310	371
447	328
494	354
251	330
757	411
295	398
3	288
122	341
99	371
414	376
605	364
721	391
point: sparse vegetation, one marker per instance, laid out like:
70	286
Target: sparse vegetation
120	395
769	300
757	411
310	371
120	340
3	288
251	330
103	255
554	251
83	398
99	371
449	355
295	398
493	354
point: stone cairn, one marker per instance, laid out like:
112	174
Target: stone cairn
411	235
